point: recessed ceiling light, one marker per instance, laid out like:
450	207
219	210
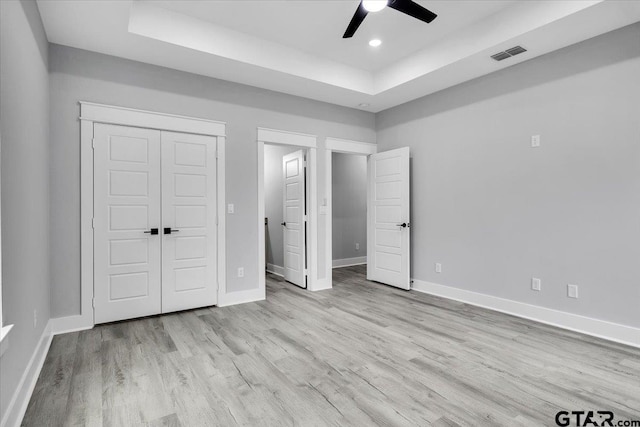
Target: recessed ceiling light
375	42
363	104
374	5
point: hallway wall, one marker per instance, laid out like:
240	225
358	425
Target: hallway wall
24	128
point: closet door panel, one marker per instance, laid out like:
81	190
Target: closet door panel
127	255
189	237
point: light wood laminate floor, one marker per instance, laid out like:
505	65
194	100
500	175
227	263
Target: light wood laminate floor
360	354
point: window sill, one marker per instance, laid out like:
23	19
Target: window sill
4	338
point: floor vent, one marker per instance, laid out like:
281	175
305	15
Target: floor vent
508	53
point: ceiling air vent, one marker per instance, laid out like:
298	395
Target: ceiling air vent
500	56
515	50
508	53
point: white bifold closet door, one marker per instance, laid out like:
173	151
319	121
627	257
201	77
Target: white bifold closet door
154	222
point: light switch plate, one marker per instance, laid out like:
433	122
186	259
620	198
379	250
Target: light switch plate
536	284
572	291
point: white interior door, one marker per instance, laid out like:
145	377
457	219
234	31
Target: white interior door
294	214
189	269
388	218
126	209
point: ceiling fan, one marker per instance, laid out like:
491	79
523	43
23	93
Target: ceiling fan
408	7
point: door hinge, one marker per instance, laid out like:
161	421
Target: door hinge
93	143
305	272
93	223
93	302
306	218
216	220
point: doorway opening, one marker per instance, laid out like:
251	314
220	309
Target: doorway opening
296	165
286	213
388	206
349	210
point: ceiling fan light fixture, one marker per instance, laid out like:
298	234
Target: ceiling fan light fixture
374	5
375	42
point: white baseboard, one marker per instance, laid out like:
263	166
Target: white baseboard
598	328
321	285
63	325
348	262
21	396
275	269
241	297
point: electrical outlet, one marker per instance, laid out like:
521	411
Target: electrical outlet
240	271
535	284
35	318
230	208
438	267
572	291
357	246
535	141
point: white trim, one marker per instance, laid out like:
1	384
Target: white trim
221	200
86	221
91	113
4	337
262	279
275	269
112	114
349	146
283	137
22	394
328	232
241	297
63	325
312	242
322	285
348	262
573	322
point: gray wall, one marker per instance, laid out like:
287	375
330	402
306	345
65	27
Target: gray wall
274	252
80	75
24	121
496	212
349	193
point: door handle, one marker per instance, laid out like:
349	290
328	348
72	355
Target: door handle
404	225
283	223
153	231
169	230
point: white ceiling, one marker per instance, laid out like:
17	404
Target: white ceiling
316	27
296	47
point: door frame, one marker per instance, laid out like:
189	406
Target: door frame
91	113
337	145
310	143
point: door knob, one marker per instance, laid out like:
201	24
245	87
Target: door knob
169	230
153	231
283	223
403	225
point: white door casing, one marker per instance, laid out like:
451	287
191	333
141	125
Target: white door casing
126	207
388	227
294	200
189	251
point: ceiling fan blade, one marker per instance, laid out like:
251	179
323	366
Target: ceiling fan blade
357	19
412	8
